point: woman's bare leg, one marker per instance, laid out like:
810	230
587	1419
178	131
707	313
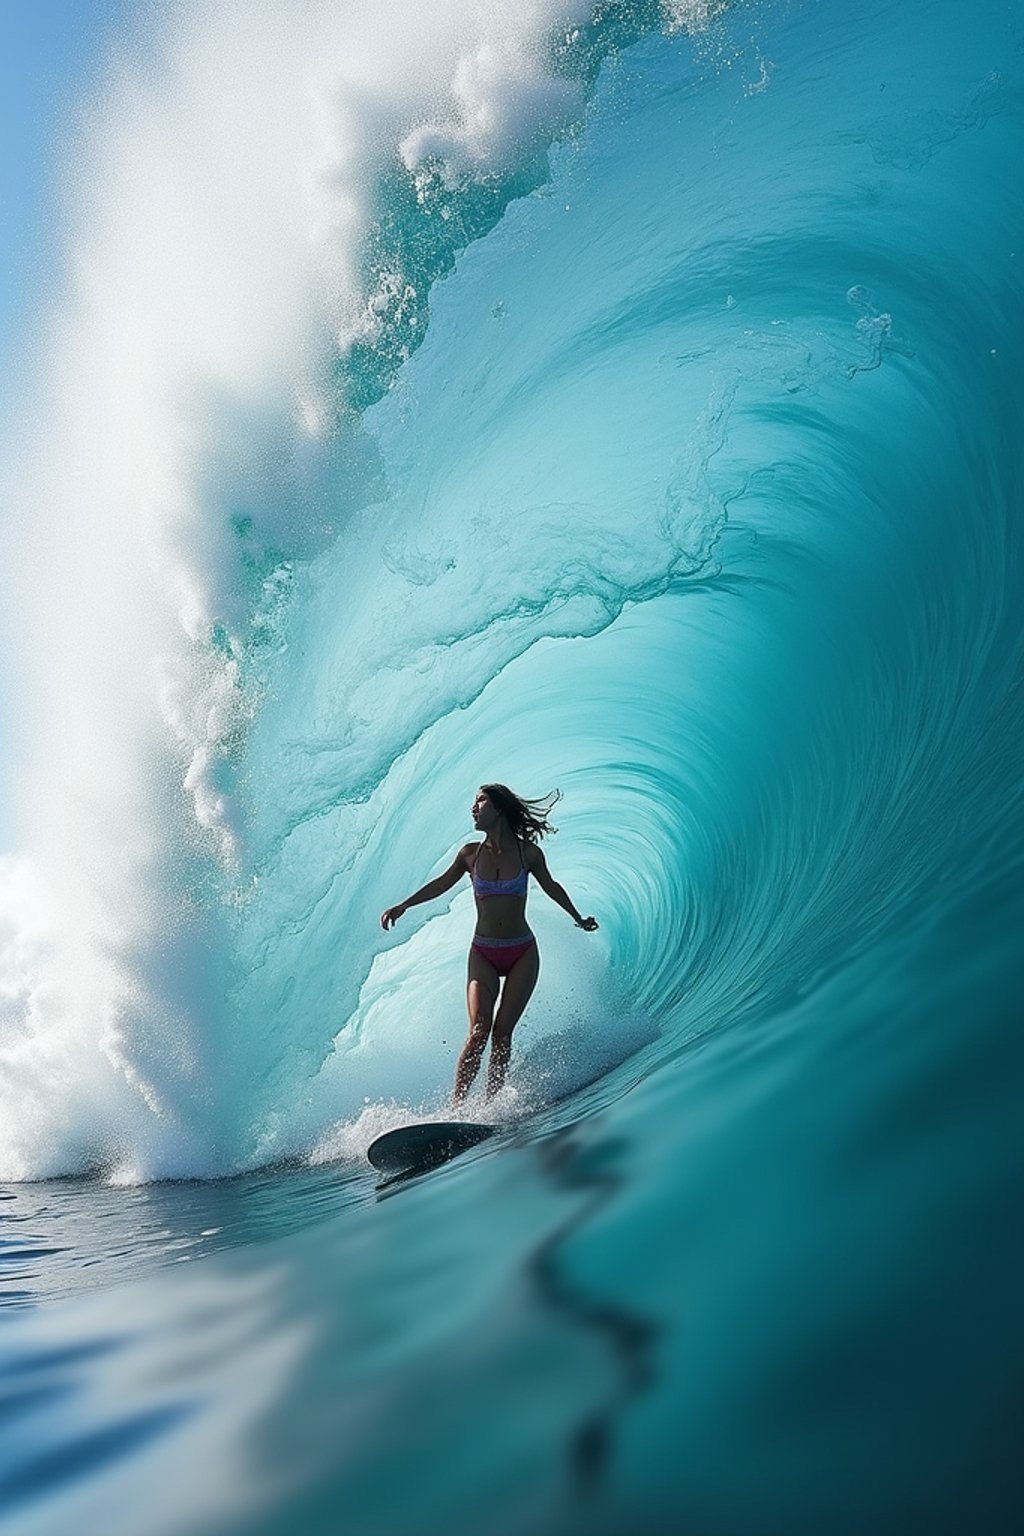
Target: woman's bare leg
516	993
481	994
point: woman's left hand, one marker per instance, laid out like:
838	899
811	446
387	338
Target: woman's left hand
589	924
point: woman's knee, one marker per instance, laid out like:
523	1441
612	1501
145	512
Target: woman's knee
481	1009
479	1028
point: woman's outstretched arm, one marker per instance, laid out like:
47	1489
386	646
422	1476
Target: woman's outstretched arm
452	875
538	866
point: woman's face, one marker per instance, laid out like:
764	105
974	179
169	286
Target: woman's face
484	812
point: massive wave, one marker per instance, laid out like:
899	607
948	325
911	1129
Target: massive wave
579	396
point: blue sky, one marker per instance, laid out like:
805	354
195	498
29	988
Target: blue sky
50	50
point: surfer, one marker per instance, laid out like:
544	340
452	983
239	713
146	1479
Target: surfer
503	953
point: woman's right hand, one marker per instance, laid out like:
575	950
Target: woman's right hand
391	916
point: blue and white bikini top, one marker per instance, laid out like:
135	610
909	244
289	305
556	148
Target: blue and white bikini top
514	887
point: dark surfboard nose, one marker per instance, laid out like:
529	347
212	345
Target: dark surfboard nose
425	1144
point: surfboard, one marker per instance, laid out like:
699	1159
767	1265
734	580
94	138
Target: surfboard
425	1144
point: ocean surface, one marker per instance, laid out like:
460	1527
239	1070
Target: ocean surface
623	399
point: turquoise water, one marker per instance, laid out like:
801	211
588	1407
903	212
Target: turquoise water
675	462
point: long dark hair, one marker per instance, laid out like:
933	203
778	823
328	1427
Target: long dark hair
530	819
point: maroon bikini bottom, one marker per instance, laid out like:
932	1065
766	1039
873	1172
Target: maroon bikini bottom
503	953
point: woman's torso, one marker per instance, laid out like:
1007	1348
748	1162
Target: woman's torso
499	885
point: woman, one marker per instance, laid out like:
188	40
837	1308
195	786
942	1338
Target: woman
503	946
